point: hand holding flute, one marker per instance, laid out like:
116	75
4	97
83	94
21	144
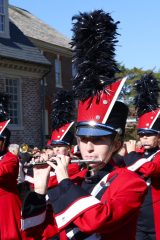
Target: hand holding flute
43	163
43	158
41	172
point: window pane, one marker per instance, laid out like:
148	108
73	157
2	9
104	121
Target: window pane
1	6
58	77
1	23
15	105
12	88
15	90
15	121
15	97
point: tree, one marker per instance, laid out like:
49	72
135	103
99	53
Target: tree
128	96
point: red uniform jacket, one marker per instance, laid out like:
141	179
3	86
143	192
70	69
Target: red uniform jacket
149	219
104	210
10	204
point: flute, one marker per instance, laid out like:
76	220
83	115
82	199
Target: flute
34	164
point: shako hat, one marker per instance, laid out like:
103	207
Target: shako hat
62	118
95	85
146	102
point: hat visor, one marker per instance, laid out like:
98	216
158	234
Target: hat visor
146	130
93	131
59	142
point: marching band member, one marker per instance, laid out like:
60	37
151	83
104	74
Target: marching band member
10	203
148	127
62	122
105	204
60	143
62	135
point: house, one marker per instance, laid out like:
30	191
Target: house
35	62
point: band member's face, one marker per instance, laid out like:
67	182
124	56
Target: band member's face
96	148
61	149
149	141
49	151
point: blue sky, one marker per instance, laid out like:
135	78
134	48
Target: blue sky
139	42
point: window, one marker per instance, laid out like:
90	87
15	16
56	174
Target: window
14	107
4	20
2	16
58	75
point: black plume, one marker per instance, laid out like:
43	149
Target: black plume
4	99
63	109
93	44
147	94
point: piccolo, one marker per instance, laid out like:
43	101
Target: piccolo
79	161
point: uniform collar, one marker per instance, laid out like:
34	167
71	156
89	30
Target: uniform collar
149	152
99	175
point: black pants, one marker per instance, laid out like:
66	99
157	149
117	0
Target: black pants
145	236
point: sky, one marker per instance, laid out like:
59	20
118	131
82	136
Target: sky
139	28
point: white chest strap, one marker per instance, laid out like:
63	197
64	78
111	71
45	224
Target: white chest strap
140	162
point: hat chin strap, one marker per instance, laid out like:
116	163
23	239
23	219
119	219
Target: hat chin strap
109	155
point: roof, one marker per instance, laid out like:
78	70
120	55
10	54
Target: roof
33	27
19	47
